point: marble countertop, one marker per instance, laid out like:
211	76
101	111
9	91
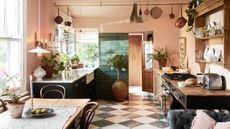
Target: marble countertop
68	76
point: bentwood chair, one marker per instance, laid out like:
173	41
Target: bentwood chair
53	91
2	106
88	114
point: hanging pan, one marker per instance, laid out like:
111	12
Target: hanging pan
181	21
156	12
58	19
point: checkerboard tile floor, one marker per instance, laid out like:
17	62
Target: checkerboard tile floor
141	111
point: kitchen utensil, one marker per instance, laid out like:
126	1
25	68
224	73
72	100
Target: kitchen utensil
181	21
156	12
147	11
171	15
140	18
58	19
134	17
67	23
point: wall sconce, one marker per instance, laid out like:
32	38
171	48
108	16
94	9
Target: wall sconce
39	47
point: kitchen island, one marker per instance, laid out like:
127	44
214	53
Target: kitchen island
196	97
79	83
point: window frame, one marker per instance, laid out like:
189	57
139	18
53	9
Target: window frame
19	38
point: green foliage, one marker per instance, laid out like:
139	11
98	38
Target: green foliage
161	54
192	13
118	61
52	61
64	57
88	53
75	58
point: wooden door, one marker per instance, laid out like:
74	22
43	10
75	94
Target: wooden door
135	63
147	74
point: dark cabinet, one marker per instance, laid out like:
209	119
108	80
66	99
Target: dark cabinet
68	86
76	89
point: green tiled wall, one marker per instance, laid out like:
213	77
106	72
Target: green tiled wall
110	44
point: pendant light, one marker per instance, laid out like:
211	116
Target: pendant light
38	49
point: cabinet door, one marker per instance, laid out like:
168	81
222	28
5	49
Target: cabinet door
91	90
80	88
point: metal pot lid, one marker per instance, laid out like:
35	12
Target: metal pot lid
156	12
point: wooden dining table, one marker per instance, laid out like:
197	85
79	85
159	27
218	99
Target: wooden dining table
80	103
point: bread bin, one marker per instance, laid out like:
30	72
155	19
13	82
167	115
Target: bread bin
213	81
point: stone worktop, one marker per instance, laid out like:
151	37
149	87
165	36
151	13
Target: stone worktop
68	76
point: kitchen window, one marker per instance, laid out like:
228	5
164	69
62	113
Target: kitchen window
11	37
87	46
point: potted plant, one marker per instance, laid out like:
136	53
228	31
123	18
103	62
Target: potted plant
192	13
119	88
13	94
161	55
51	65
75	60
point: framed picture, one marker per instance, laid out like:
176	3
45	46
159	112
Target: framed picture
182	47
182	52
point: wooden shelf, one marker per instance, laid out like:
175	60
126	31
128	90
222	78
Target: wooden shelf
210	62
208	6
211	37
205	10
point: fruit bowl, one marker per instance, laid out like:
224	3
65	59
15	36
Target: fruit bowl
39	112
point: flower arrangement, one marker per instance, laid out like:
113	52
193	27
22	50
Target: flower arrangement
12	91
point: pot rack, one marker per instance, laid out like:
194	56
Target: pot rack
130	4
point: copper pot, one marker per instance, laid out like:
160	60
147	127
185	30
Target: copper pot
181	21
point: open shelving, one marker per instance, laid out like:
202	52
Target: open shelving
205	11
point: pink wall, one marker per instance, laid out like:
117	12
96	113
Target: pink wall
32	27
47	26
164	31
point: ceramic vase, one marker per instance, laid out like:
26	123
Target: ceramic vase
39	73
119	90
16	109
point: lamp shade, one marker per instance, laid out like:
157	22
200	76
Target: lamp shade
38	50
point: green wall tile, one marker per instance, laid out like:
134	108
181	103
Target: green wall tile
110	44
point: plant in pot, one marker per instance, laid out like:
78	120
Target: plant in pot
75	60
192	13
119	88
13	95
51	65
161	55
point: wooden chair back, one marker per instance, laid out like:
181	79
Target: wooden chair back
88	114
52	90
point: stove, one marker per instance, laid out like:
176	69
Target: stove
178	76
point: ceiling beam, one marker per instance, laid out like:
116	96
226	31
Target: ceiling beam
118	4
